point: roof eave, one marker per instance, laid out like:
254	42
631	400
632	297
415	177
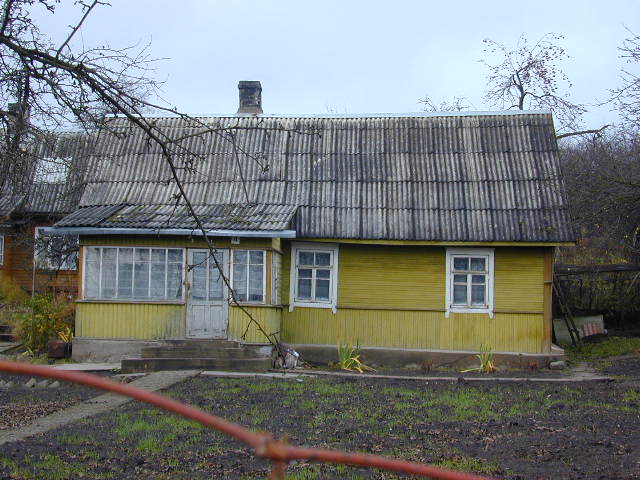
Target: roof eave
167	231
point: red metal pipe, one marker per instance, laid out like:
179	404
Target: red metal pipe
263	444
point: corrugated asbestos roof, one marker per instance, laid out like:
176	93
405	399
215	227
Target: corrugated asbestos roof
71	149
213	217
444	178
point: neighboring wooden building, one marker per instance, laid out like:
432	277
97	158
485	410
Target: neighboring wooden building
53	190
406	233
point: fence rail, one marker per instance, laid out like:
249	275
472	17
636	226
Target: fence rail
264	445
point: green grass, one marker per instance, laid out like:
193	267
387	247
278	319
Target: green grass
469	465
610	347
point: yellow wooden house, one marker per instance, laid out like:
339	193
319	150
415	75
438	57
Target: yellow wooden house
414	235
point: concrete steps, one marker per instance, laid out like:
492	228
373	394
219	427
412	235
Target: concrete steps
200	354
5	334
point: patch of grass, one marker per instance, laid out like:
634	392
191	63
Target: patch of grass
469	464
611	347
74	439
149	445
53	467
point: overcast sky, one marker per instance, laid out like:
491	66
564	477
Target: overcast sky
354	56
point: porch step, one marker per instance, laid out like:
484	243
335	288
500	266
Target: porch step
5	334
133	365
201	352
188	342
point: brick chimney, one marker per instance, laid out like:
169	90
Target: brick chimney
250	97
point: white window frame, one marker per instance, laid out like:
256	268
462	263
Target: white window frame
293	283
132	299
1	249
488	253
264	274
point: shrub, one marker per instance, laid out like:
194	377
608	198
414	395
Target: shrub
45	319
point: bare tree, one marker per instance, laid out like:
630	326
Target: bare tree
458	104
602	175
627	98
529	77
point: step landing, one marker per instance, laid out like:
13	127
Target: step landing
200	354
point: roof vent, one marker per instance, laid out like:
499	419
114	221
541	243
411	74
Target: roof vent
250	97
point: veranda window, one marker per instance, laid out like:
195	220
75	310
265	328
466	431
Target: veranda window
134	273
248	275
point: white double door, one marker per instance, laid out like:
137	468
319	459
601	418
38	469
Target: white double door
207	304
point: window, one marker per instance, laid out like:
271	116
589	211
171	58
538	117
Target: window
1	248
469	281
248	275
52	170
133	273
314	276
55	252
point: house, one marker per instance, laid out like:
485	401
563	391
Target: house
416	236
49	189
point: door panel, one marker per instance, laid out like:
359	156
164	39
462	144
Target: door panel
207	307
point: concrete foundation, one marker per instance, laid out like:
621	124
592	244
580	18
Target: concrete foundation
414	358
108	350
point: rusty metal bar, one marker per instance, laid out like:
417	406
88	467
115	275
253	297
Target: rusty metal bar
263	444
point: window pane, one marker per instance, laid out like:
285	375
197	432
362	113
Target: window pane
460	294
141	280
239	256
477	295
158	279
478	264
215	282
125	273
92	275
199	280
108	272
142	254
304	273
460	279
255	283
304	289
460	263
323	259
92	254
255	257
240	281
305	258
175	255
174	281
478	278
322	289
323	273
158	255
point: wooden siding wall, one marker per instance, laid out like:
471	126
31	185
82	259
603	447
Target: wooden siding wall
395	297
129	320
269	319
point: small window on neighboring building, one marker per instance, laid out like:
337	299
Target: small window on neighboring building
314	276
55	252
469	281
248	275
52	170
